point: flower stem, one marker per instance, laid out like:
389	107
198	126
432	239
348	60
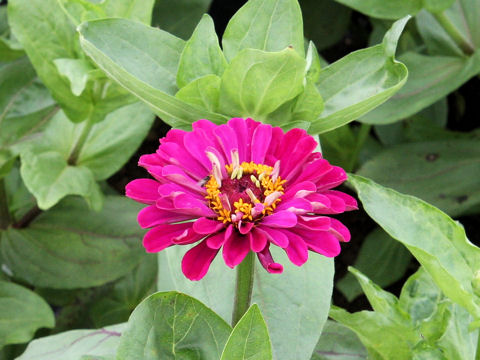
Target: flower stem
477	354
243	288
5	218
454	33
73	157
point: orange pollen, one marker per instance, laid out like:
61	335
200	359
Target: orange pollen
244	194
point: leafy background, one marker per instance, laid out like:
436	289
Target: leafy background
423	141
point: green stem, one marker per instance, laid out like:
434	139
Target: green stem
5	218
73	158
477	354
361	138
243	288
454	33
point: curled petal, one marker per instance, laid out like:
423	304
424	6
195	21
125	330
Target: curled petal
265	258
280	219
349	202
333	178
297	250
162	236
277	237
296	205
143	190
314	223
152	216
258	240
197	260
207	226
235	248
340	231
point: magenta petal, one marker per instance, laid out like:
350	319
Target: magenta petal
293	163
314	223
217	240
245	227
152	216
314	171
323	243
260	142
349	201
161	237
296	205
280	219
340	231
143	190
227	139
277	237
190	205
207	226
239	127
297	250
299	190
178	176
258	240
332	179
150	160
197	260
235	249
265	258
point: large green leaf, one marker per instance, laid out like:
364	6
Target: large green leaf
257	82
24	102
76	345
202	54
359	82
249	339
395	9
144	60
294	304
381	258
173	325
22	312
179	17
270	25
47	35
71	247
438	242
442	173
431	78
338	343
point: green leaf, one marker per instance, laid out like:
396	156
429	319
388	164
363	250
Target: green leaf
76	345
439	172
50	178
203	92
381	258
359	82
392	9
71	247
144	60
325	21
7	159
113	141
338	343
249	339
314	63
202	54
126	294
179	17
270	25
22	312
294	322
258	82
308	105
24	102
173	325
431	78
438	242
76	71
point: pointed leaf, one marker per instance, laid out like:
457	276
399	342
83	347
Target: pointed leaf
391	9
144	60
203	92
270	25
249	339
173	325
22	312
360	81
202	54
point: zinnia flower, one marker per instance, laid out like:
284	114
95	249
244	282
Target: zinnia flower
240	187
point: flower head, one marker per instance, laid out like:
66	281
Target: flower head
240	187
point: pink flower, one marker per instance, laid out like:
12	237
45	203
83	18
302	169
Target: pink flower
240	187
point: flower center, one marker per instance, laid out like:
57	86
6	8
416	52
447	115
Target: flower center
250	192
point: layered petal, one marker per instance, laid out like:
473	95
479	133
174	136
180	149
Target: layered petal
197	260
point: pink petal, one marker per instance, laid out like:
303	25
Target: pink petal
265	258
299	190
340	231
323	204
187	204
331	179
314	171
149	160
207	226
227	139
216	241
258	240
260	143
293	163
188	236
297	250
277	237
245	227
322	242
314	223
196	142
143	190
161	236
235	248
290	139
349	201
296	206
175	154
178	176
239	127
152	216
280	219
197	260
